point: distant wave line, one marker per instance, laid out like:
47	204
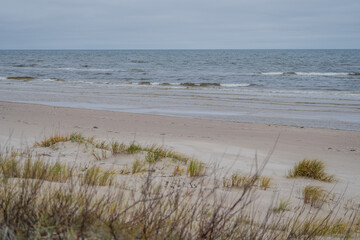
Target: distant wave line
313	73
140	70
203	84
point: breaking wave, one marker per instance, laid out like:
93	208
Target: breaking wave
312	73
191	84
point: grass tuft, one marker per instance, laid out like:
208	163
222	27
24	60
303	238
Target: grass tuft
155	154
52	140
117	148
102	145
335	228
59	172
284	205
238	180
138	166
265	182
77	137
39	169
56	138
314	169
90	140
95	176
35	169
10	167
314	195
178	171
133	148
78	208
195	168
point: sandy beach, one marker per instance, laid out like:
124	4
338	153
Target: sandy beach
177	120
228	145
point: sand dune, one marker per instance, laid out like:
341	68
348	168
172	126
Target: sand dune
230	146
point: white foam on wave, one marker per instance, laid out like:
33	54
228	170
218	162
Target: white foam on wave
48	80
177	85
164	84
272	73
52	80
86	82
307	73
321	74
235	84
83	69
3	78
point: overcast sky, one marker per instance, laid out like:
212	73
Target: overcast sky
179	24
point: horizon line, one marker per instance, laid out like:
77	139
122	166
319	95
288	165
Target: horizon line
165	49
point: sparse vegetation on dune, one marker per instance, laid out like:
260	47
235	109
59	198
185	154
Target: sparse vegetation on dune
95	176
117	147
56	138
178	170
195	168
240	181
50	141
153	153
314	169
265	182
34	168
133	148
77	137
102	145
138	166
314	195
45	200
334	229
284	205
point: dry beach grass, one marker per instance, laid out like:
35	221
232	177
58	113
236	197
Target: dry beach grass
152	177
51	200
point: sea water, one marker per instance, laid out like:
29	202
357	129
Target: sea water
315	88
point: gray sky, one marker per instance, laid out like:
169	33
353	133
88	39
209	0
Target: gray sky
179	24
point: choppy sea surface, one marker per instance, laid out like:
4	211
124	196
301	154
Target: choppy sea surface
315	88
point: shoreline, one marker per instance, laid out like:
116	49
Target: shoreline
180	117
